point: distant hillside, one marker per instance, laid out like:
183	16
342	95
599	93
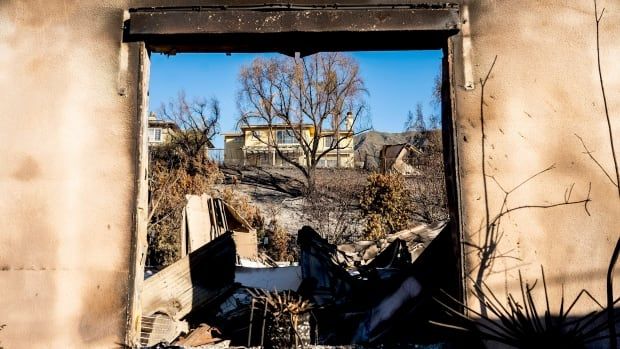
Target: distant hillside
369	144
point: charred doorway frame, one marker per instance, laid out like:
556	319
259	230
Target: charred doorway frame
302	28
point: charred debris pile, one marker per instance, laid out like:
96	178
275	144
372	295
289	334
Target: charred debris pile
371	293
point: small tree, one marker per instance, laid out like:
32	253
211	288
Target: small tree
197	119
297	94
435	119
178	168
417	123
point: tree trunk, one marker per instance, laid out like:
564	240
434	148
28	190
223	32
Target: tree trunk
311	181
337	139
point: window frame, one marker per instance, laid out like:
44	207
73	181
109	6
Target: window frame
290	134
156	136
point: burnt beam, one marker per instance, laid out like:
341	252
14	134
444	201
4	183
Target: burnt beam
244	21
172	31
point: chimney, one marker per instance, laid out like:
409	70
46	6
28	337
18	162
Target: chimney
349	121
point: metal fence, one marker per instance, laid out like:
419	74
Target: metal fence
216	154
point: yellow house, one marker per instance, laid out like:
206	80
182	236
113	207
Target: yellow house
256	145
160	131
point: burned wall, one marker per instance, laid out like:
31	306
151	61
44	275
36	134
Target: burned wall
67	179
69	157
547	202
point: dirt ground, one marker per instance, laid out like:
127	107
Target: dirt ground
278	194
334	212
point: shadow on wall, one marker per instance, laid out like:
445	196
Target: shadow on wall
518	324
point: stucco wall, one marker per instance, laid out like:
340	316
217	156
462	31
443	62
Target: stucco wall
67	183
67	180
543	90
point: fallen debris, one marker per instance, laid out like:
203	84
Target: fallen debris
194	281
416	240
386	299
206	218
203	335
398	158
352	303
358	293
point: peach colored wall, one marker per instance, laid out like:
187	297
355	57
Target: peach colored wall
543	90
67	180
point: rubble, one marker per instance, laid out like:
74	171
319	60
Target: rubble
416	240
185	286
397	158
203	335
205	218
368	303
353	303
350	294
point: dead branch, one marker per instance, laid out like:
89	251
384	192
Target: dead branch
483	83
589	153
598	17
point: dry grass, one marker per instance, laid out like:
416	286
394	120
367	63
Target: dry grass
242	203
334	208
386	205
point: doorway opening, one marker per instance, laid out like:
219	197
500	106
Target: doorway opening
279	138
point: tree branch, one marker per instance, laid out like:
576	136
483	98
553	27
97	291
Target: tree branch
589	153
598	19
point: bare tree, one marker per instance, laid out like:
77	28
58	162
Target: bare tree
416	123
179	167
197	119
435	119
306	99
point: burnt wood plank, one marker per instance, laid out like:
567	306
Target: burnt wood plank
186	22
192	281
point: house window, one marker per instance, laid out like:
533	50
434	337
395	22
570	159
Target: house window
285	137
329	141
154	134
330	163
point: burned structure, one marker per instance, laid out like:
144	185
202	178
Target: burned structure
530	105
397	158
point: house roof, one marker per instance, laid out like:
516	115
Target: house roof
163	124
285	126
247	127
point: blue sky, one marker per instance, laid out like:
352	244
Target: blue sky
396	82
